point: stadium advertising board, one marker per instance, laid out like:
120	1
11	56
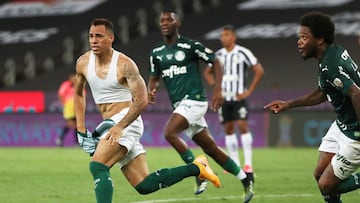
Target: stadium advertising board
42	129
37	130
153	135
22	101
298	128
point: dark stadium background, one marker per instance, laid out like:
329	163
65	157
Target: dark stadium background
39	49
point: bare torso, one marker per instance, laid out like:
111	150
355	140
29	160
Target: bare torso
108	110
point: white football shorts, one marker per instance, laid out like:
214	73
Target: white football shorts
130	138
347	152
194	112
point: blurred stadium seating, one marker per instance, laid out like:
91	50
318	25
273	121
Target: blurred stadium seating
40	40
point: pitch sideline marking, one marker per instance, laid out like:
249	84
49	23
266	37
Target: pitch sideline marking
227	197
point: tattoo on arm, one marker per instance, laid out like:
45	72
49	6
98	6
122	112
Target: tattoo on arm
137	87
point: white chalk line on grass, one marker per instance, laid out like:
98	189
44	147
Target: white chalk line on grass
226	197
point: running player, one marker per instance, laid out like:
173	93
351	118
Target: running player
237	60
120	94
176	60
338	83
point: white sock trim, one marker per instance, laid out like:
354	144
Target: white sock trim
241	175
232	147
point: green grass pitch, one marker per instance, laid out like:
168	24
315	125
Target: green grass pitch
61	175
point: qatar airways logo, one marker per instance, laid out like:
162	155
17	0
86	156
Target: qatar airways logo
174	70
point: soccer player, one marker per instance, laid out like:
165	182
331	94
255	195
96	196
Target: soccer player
120	94
176	60
338	83
66	93
237	60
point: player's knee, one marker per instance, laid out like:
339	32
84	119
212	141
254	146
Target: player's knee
170	136
229	131
317	175
325	186
167	136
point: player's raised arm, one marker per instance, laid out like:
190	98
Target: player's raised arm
311	99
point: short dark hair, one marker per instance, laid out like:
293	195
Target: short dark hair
320	25
103	21
229	27
169	8
177	17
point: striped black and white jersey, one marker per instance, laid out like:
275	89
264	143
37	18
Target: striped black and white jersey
236	64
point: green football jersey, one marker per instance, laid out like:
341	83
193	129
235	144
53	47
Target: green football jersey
178	65
337	72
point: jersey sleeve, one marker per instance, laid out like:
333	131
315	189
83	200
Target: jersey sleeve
251	60
154	69
204	53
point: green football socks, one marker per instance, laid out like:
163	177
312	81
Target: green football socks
349	184
165	177
102	182
187	156
332	198
231	167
